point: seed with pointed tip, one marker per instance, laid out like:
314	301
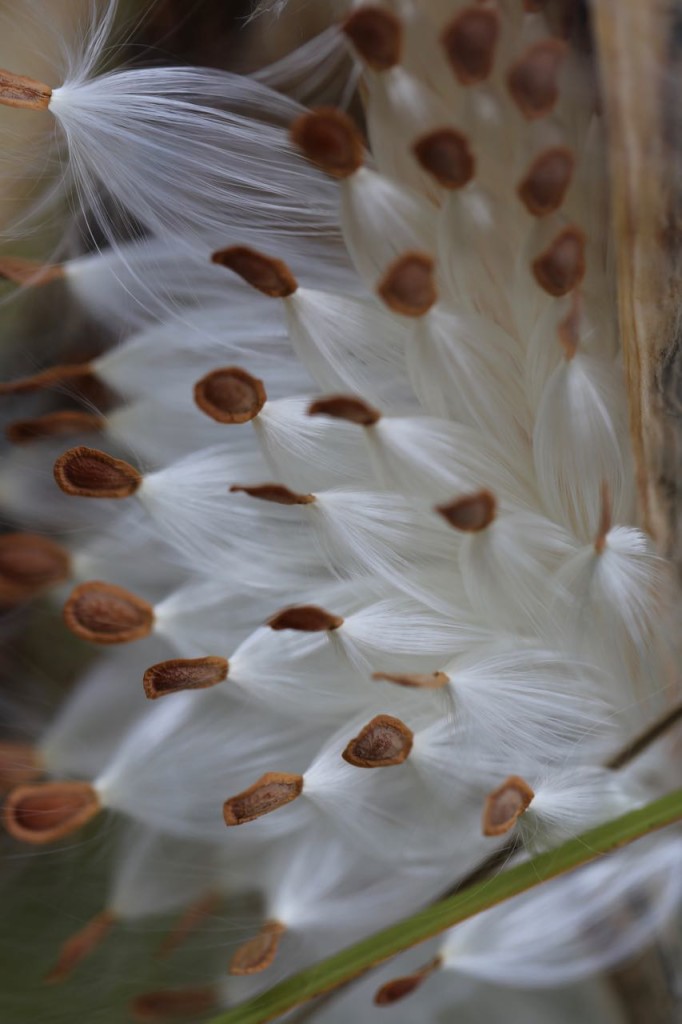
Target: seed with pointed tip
20	91
345	407
106	614
543	189
505	805
446	155
180	674
230	395
264	273
395	990
48	811
28	272
29	563
272	791
54	424
470	514
276	493
414	680
382	743
256	954
306	618
80	946
377	35
408	285
330	140
533	79
561	267
46	378
90	473
470	40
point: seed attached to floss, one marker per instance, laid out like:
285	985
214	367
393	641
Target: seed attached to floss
446	155
28	272
89	473
505	805
544	186
189	922
80	946
278	494
533	80
258	953
20	91
561	267
47	378
470	514
377	35
605	519
408	285
106	614
180	674
230	395
345	407
30	563
414	680
266	274
395	990
54	424
43	813
330	140
272	791
470	41
382	743
305	618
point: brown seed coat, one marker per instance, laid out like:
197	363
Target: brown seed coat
106	614
377	35
256	954
264	273
45	812
408	285
505	805
330	140
382	743
90	473
306	618
470	41
179	674
272	791
470	514
230	395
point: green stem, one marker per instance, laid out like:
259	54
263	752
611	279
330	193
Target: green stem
354	961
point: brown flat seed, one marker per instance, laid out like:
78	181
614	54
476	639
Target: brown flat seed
272	791
105	614
276	493
90	473
470	41
345	407
377	35
330	140
306	618
544	187
446	154
561	267
19	763
19	91
395	990
46	378
264	273
195	913
382	743
605	519
29	272
505	805
471	514
230	395
408	285
31	562
158	1007
257	953
43	813
80	946
53	424
533	79
184	674
415	680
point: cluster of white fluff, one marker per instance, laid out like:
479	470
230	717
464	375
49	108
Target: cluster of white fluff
393	541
